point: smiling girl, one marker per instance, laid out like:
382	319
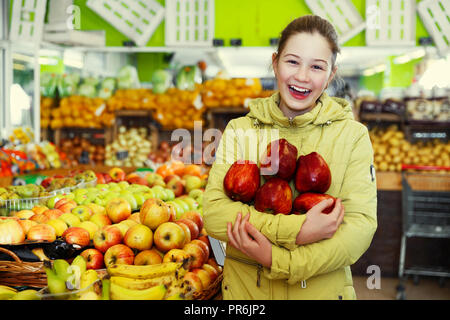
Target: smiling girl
308	256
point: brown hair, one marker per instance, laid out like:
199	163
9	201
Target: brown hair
311	24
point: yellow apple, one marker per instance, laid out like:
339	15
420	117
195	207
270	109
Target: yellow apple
70	219
59	225
24	214
96	208
90	226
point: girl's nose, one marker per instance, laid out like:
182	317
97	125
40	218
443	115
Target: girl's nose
302	74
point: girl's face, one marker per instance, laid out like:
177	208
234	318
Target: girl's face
303	71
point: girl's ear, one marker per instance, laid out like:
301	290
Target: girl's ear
331	77
274	62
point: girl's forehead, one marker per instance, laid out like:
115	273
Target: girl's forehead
306	43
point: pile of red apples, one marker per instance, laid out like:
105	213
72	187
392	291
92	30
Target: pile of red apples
279	166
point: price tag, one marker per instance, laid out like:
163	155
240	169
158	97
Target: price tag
99	110
120	155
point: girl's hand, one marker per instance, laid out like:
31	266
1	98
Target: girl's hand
319	226
247	239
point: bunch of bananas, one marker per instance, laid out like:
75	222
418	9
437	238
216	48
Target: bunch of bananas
163	281
8	293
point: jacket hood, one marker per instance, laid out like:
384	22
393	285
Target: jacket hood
328	109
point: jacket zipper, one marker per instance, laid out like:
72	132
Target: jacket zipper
291	120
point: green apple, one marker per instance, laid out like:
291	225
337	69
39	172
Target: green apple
193	205
139	199
100	201
159	192
182	204
51	202
148	194
69	195
170	195
110	195
79	199
102	186
83	212
115	187
193	182
197	195
80	191
178	208
130	199
123	184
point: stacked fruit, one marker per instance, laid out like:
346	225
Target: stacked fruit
391	150
73	148
47	104
81	112
279	167
134	143
131	99
221	92
179	108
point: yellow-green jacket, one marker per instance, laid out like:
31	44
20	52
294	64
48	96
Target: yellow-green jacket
319	270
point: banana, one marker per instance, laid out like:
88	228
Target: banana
120	293
176	296
139	284
105	289
28	294
7	293
39	252
145	271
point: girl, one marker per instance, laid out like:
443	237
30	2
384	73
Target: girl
297	256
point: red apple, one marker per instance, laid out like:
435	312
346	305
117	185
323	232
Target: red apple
100	219
213	273
187	232
11	231
39	218
67	206
137	180
313	174
205	239
118	254
107	178
172	211
147	257
100	178
204	247
177	255
42	232
153	213
77	235
212	261
169	235
194	216
274	196
139	237
176	186
93	257
53	213
26	225
39	209
134	217
192	227
118	209
117	174
196	253
107	237
279	160
242	180
204	277
194	281
306	201
24	214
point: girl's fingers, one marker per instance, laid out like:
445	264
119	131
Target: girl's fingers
231	238
337	208
242	230
236	226
254	233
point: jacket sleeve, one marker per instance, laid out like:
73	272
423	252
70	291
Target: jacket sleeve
218	209
353	236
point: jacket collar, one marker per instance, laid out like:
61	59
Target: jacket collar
327	110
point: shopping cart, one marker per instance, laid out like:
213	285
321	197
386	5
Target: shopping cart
426	214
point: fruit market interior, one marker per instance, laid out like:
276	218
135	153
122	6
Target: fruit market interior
111	113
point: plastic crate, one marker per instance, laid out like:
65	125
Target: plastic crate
342	14
189	22
11	205
435	15
137	19
391	22
27	20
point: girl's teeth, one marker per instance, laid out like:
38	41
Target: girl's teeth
299	90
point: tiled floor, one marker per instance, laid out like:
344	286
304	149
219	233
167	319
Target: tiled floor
427	289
